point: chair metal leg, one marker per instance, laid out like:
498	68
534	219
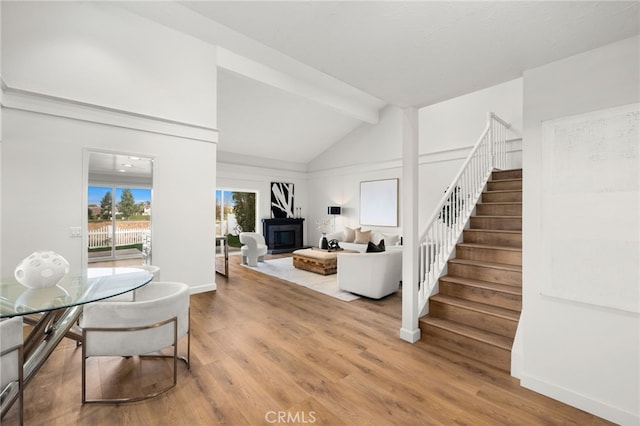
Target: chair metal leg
174	320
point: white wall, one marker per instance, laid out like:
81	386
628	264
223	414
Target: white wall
458	122
97	53
88	76
370	152
449	129
1	103
582	354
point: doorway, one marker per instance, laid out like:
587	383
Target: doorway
119	209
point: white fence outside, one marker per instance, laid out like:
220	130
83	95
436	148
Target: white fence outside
102	237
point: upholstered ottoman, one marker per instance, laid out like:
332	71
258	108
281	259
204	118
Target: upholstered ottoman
317	260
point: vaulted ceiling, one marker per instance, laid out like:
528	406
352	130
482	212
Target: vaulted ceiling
412	53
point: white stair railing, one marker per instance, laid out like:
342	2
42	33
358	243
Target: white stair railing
447	222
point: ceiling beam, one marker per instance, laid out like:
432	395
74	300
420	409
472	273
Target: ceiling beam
245	56
244	66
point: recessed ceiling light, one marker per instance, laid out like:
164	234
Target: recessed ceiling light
128	165
122	170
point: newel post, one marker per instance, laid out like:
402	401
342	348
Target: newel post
492	148
410	330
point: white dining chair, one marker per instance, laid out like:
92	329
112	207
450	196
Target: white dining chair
11	358
156	320
131	295
153	269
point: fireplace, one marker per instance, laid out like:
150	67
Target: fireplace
282	235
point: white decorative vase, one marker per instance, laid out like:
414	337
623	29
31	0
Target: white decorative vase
41	269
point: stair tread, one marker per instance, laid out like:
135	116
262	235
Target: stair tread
495	265
501	190
517	169
506	180
484	308
502	231
471	332
500	203
504	288
488	246
493	216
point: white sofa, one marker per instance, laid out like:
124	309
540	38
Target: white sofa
254	248
390	240
373	275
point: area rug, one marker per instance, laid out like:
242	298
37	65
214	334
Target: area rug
283	268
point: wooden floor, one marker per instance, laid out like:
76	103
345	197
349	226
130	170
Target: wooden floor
265	351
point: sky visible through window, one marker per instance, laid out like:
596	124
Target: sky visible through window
228	197
96	193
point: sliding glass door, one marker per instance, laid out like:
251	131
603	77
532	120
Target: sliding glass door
235	213
118	223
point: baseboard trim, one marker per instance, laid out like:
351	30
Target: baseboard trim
203	288
590	405
410	336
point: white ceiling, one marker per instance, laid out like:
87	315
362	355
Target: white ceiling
413	53
124	166
418	53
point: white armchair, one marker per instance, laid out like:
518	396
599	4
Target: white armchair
11	358
373	275
156	320
254	248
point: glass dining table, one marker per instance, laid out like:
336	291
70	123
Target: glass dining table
54	311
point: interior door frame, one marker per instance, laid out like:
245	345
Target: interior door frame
86	153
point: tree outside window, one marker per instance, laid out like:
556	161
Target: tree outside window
235	213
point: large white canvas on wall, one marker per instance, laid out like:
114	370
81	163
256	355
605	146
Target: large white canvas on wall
379	202
591	207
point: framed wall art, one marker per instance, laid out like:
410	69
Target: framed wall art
281	200
379	202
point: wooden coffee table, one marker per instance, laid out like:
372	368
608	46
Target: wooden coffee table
319	261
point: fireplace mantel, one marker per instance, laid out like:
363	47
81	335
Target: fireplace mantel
283	235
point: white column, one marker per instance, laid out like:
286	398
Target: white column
410	330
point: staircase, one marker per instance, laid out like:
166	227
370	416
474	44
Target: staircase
477	308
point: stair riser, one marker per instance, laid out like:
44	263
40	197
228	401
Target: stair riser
503	223
482	295
499	209
482	321
499	276
480	351
497	197
498	185
509	257
493	238
507	174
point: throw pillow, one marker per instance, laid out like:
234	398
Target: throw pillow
362	237
375	248
349	234
392	239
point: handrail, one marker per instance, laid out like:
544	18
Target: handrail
437	242
449	190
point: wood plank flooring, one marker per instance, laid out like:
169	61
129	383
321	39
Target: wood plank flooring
265	351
